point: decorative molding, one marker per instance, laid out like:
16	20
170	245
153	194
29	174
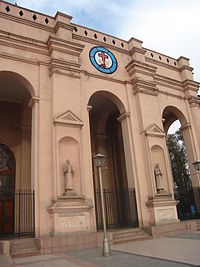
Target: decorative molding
34	100
171	95
154	130
186	126
100	43
190	85
123	116
68	118
64	46
104	77
71	68
20	59
27	22
23	43
163	64
194	101
144	86
135	66
138	50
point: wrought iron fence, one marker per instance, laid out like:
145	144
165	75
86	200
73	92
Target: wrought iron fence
120	208
17	214
189	203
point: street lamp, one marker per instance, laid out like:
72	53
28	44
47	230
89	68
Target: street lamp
196	165
99	161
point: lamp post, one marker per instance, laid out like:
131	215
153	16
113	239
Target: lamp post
99	161
196	165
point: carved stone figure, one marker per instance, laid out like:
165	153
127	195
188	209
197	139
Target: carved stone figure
69	173
159	178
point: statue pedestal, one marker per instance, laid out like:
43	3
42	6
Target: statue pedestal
70	213
162	208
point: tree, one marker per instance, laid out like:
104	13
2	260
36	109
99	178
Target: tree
179	161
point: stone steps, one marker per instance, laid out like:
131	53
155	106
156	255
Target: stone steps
24	247
131	235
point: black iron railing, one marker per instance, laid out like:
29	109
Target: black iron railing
120	208
189	203
17	214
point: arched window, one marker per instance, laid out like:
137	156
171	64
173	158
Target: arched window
7	169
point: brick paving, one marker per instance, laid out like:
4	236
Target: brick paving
177	251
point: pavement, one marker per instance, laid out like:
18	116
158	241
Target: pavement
176	251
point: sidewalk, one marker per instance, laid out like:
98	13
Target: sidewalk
176	251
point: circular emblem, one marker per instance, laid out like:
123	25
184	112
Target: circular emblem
103	60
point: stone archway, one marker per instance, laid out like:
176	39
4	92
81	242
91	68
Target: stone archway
15	133
107	138
187	191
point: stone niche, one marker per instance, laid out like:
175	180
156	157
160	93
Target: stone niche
70	213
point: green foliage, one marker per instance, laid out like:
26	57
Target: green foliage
179	161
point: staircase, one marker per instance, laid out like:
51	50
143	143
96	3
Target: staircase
24	247
129	235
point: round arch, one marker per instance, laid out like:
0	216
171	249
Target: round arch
14	76
109	136
110	96
171	114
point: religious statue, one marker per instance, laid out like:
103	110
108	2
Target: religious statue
159	178
69	173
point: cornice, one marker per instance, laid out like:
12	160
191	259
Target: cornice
64	46
19	46
166	81
27	22
145	87
138	50
65	26
123	116
34	100
185	67
20	59
190	85
186	126
96	42
163	64
107	78
194	101
170	94
135	66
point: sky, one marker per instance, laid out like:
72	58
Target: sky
171	27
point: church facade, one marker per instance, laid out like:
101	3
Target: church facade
68	93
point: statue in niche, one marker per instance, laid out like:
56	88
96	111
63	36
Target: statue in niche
69	173
159	178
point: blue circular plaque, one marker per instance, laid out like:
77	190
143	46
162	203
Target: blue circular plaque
103	60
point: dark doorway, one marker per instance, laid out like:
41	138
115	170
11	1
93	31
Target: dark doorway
107	138
7	189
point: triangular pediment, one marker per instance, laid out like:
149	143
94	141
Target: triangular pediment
154	130
68	117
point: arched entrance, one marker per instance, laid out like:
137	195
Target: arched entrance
182	155
17	199
107	138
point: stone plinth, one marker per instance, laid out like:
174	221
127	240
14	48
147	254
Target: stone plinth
163	209
70	213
